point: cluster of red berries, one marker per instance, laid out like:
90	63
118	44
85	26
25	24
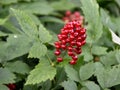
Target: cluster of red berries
11	86
69	16
71	38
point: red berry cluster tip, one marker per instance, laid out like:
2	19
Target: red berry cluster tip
69	16
11	86
71	38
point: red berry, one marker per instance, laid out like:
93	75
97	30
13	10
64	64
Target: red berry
75	57
70	53
71	37
59	59
68	13
82	31
57	52
84	37
76	34
83	42
59	36
63	46
63	42
72	62
57	46
70	48
72	43
79	39
78	44
77	14
57	43
78	51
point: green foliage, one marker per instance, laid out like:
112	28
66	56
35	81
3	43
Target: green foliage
72	73
37	50
90	9
98	50
91	86
3	87
27	25
42	72
107	79
28	30
86	71
14	44
18	67
69	85
6	76
44	35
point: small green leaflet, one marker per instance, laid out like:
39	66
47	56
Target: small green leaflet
6	76
3	87
20	44
69	85
91	11
86	71
109	77
98	50
27	24
91	85
18	67
42	72
72	73
37	50
44	35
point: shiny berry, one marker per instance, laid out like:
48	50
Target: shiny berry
63	46
70	48
75	57
78	44
82	31
59	59
57	46
70	53
57	52
68	13
72	62
83	42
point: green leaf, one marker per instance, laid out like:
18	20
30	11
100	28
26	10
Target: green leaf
69	85
39	7
3	34
92	86
51	19
3	87
86	52
6	76
109	59
109	77
42	72
106	20
98	50
72	73
46	85
62	5
86	71
37	50
8	1
44	35
91	11
20	44
83	88
18	67
27	24
118	56
118	2
2	21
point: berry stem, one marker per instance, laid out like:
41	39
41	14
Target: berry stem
50	61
